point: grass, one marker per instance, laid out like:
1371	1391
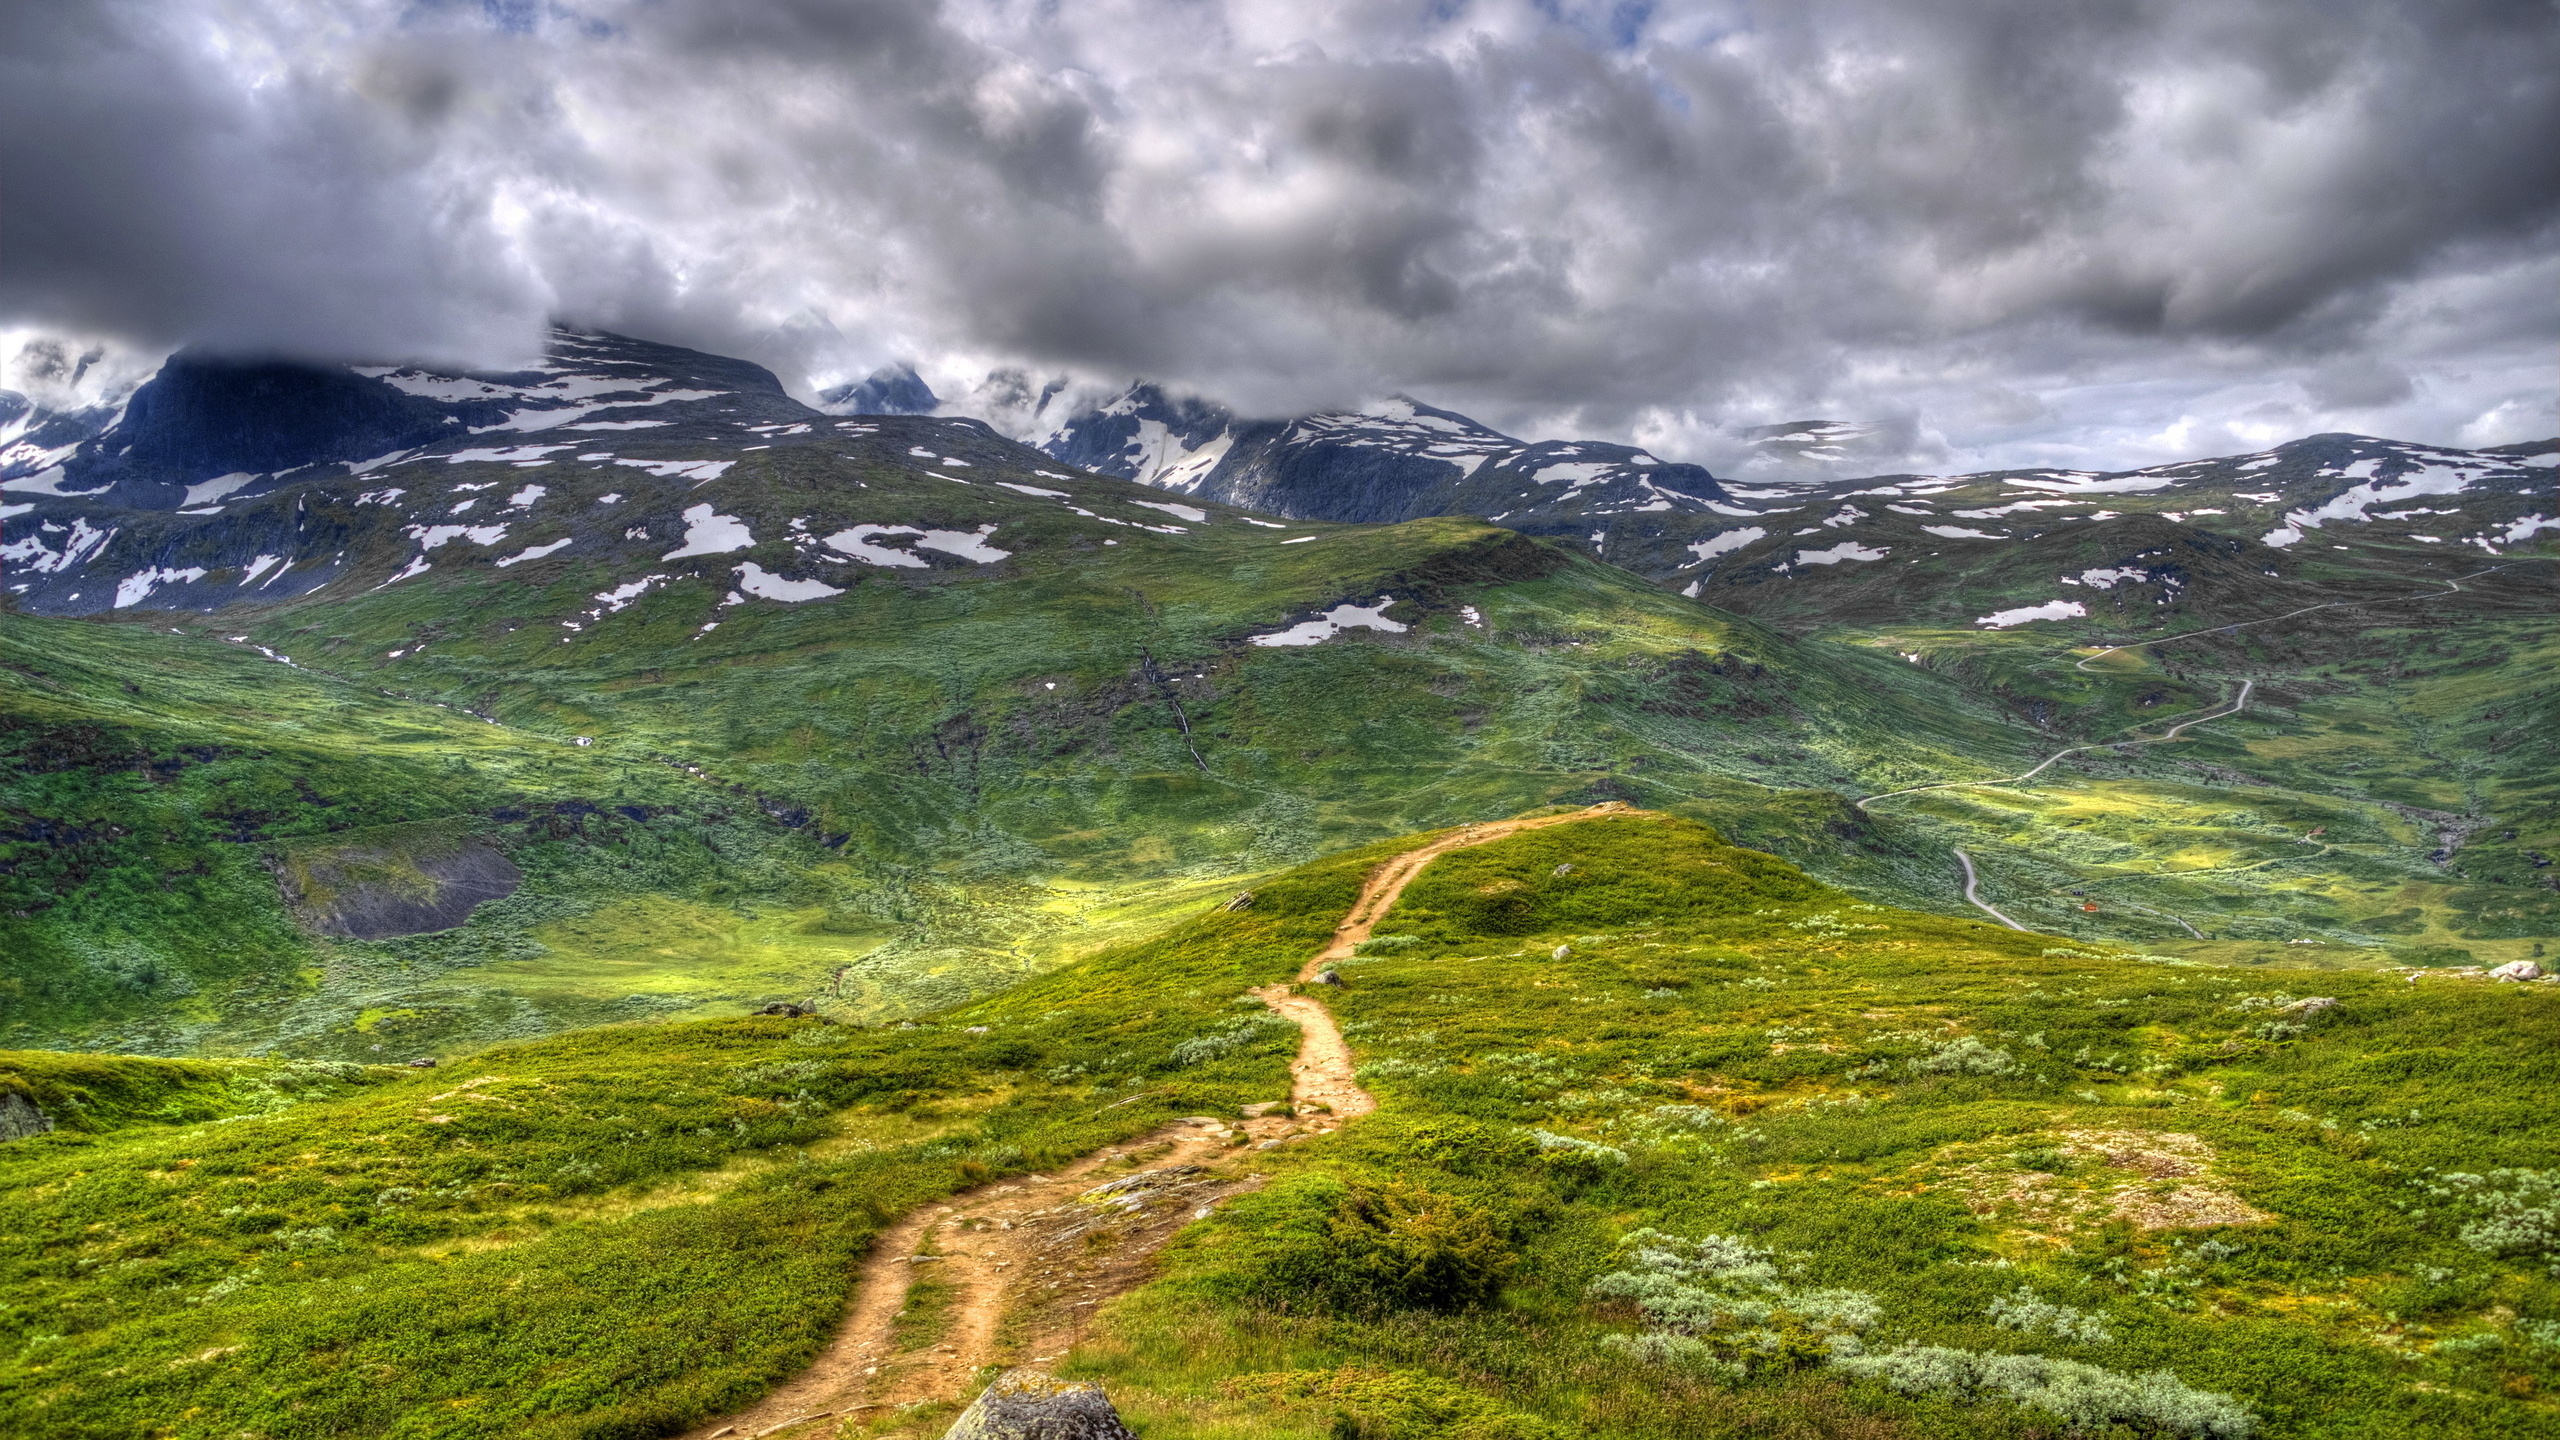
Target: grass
909	796
1994	1144
1929	1113
607	1233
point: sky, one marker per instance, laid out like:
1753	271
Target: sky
2001	232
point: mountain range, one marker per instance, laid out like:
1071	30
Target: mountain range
537	904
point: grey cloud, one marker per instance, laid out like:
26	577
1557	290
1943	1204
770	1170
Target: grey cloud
1977	223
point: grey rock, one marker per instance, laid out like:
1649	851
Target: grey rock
2310	1005
1034	1405
375	891
2517	970
21	1117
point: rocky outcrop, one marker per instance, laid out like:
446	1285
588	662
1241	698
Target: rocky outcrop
21	1117
1034	1405
373	892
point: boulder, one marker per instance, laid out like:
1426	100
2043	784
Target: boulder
21	1117
787	1010
1560	952
2309	1005
1030	1404
1261	1108
1331	977
2517	970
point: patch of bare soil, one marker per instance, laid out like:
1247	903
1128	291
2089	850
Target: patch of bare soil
2157	1179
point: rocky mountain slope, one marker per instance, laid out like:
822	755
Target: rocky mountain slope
1397	461
1680	525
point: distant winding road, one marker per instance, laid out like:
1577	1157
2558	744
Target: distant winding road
2239	702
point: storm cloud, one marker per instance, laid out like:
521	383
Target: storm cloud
2008	231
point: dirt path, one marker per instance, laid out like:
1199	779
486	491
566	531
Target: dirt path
1011	1273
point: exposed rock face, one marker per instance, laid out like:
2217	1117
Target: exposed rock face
1033	1405
21	1117
375	893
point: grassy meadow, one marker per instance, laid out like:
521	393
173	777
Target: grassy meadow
1675	1141
1764	1160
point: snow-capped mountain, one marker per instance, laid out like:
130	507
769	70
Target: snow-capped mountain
219	482
206	428
2008	547
889	390
1394	461
224	484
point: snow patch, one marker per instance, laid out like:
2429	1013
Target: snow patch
536	552
967	544
1725	543
707	532
2105	579
207	492
1333	622
621	595
856	542
524	498
136	588
47	483
2050	610
1033	490
704	471
2354	503
1959	532
753	579
1846	550
431	536
79	544
1192	513
1580	472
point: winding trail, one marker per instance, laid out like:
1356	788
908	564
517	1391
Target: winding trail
1018	1268
1973	896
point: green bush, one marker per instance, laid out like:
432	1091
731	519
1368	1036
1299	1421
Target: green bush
1356	1247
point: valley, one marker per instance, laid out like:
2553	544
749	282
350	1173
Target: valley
522	900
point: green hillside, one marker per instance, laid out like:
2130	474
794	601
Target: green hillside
920	790
1675	1140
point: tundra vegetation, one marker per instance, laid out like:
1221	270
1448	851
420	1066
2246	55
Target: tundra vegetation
1675	1140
